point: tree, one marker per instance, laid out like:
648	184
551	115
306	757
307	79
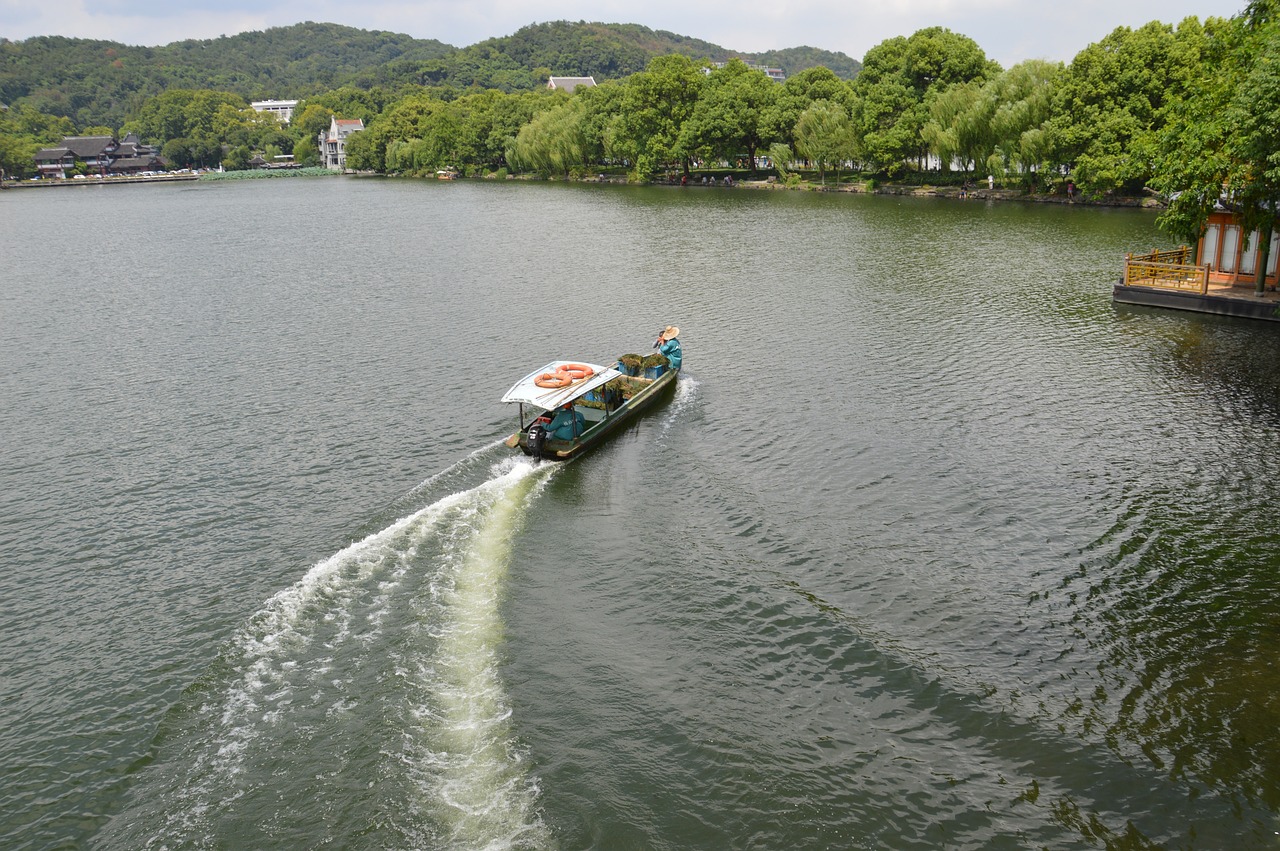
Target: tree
730	117
237	159
1022	100
1112	100
554	142
959	126
824	134
657	103
797	94
1219	142
25	130
900	77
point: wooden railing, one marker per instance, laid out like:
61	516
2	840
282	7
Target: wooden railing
1166	270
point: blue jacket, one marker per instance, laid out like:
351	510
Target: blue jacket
671	348
567	425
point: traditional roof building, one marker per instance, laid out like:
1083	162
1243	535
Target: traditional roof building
100	153
333	143
568	84
1224	279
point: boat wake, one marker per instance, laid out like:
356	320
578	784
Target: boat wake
685	396
363	705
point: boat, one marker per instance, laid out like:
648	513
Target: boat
606	397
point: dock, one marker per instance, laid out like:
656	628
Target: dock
1165	279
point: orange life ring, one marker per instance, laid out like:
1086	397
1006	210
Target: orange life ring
553	379
576	371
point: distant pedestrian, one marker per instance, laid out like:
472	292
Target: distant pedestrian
1071	190
991	182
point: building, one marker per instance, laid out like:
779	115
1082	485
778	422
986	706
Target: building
568	84
1223	280
281	109
1231	255
774	74
101	154
333	142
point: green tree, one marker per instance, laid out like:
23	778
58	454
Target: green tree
824	134
1112	99
797	94
237	159
900	78
730	118
1022	112
490	121
184	113
554	142
24	130
959	126
1000	124
1220	142
657	103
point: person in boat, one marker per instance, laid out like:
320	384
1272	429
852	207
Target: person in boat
567	424
668	345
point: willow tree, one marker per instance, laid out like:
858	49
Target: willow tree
1021	115
1219	144
824	134
959	126
554	142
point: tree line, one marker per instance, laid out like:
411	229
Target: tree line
1187	109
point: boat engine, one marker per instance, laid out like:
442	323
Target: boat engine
537	437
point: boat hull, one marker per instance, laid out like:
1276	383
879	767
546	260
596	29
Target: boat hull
564	450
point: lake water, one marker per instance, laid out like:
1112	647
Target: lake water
932	547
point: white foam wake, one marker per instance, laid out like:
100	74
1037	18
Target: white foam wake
305	674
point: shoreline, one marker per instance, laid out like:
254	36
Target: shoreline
118	180
860	188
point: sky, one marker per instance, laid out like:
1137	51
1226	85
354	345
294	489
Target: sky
1009	31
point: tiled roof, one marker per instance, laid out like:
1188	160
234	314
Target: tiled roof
87	146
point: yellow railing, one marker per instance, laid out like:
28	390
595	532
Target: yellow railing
1166	270
1179	255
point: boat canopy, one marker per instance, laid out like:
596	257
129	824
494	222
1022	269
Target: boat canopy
528	393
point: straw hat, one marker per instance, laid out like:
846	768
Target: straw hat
671	333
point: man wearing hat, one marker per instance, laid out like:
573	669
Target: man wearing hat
670	346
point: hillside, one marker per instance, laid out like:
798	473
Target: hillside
97	82
607	52
103	83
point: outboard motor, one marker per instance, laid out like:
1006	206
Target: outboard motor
537	437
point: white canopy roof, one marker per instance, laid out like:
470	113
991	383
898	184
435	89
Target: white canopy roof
529	393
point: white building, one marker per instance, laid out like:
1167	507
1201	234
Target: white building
281	109
333	142
568	84
774	74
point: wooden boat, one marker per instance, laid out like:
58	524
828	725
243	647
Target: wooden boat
606	397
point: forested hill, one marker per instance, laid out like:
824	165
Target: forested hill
103	83
97	82
611	51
